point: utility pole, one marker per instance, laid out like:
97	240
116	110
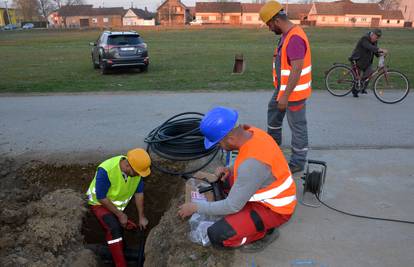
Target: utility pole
287	6
7	11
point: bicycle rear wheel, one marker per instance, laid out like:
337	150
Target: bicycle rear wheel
339	80
391	87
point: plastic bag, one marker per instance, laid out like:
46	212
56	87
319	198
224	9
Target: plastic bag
381	61
199	223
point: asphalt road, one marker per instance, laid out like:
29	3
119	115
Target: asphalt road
368	146
108	123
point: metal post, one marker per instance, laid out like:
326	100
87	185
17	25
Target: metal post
7	11
287	7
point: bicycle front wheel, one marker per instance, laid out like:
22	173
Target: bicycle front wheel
391	87
339	80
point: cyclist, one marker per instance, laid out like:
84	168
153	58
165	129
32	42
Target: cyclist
363	55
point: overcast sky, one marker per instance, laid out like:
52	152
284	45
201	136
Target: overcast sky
153	4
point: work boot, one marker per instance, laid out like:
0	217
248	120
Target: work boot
295	168
355	92
364	88
261	244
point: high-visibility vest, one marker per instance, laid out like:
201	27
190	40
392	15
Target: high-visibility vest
280	196
303	87
120	192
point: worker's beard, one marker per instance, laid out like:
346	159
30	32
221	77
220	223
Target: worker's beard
277	30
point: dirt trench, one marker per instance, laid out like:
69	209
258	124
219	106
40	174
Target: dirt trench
45	221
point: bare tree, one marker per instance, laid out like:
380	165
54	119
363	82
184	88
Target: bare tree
45	7
390	4
28	8
60	3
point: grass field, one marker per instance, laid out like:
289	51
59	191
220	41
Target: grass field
187	59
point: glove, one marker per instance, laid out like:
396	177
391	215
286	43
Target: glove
131	225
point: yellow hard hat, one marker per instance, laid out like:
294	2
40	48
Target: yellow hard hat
140	161
270	9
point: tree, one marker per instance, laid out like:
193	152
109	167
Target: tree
305	1
60	3
45	7
28	8
390	4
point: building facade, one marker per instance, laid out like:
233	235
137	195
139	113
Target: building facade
84	16
346	13
250	14
219	12
8	16
172	13
407	9
138	17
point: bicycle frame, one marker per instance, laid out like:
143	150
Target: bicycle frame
357	73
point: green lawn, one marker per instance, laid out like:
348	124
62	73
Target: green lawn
187	59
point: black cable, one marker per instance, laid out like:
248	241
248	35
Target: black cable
179	139
313	183
362	216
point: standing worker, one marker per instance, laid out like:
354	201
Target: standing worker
363	56
116	181
292	80
262	192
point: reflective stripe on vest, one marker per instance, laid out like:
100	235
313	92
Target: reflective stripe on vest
303	72
299	87
120	192
274	192
303	88
280	195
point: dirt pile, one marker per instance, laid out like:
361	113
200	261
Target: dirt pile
168	244
38	227
42	207
45	232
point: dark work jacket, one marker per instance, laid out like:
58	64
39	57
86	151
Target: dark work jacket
364	52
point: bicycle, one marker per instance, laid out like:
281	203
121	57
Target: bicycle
390	86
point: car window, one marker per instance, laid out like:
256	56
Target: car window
124	40
102	38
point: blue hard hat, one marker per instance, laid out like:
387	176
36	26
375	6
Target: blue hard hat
216	124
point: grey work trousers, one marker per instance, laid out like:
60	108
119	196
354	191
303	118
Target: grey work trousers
296	117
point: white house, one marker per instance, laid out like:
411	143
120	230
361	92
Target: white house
138	17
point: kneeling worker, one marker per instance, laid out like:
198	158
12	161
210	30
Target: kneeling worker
116	181
262	195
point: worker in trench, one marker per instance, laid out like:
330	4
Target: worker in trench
262	193
116	181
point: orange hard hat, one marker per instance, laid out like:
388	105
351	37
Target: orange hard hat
268	11
140	161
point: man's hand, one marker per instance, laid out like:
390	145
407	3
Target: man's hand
383	51
123	219
223	173
187	209
143	222
130	225
283	103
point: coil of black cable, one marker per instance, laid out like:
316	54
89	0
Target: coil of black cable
179	139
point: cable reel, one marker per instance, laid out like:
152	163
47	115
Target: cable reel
314	179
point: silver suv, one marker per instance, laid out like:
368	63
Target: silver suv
119	49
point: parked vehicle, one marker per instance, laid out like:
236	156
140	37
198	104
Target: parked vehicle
28	26
10	27
196	22
119	49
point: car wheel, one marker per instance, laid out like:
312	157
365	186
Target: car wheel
144	69
104	70
95	66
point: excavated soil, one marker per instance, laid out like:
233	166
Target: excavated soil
40	227
45	221
168	244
